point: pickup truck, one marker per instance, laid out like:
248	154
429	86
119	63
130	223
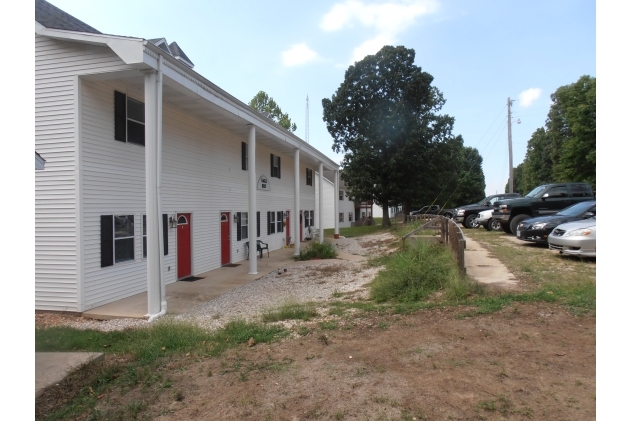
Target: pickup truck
546	199
467	214
434	210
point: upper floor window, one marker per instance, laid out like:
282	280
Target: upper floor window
309	177
129	119
244	156
341	195
275	165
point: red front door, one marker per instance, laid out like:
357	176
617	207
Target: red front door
225	238
287	230
183	245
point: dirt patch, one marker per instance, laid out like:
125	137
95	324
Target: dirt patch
532	361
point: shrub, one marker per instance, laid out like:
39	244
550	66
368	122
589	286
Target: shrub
316	250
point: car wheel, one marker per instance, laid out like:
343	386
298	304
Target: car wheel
516	221
505	228
494	225
469	221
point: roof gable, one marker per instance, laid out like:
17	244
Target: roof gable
177	52
55	18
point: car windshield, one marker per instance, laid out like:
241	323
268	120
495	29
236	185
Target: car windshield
484	201
536	191
576	209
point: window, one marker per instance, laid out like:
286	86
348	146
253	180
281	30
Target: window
117	239
275	165
341	195
129	119
244	156
350	217
279	221
309	177
271	223
144	236
580	190
308	218
242	225
557	191
341	217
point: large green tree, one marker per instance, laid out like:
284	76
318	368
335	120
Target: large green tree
384	118
264	103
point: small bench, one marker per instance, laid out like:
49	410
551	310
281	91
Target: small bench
260	246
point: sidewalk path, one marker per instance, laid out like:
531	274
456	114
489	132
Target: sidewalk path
486	269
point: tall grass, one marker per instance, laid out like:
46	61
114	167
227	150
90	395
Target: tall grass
316	250
414	274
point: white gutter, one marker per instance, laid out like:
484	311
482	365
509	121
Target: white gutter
163	301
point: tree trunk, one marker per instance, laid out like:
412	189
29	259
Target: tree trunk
385	222
407	207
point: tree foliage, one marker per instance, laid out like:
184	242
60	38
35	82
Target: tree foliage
266	104
565	150
397	148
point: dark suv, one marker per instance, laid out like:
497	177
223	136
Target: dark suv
433	210
468	213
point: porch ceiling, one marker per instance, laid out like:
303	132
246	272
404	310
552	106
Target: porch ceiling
196	106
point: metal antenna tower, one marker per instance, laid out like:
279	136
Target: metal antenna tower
307	121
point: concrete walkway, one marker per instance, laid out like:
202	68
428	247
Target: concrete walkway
486	269
53	367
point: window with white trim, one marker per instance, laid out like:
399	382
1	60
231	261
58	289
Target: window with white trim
129	119
341	216
275	166
271	223
308	218
243	217
341	195
309	177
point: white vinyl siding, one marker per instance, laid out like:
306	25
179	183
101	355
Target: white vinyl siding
57	65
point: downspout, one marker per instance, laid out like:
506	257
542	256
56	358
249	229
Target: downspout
163	298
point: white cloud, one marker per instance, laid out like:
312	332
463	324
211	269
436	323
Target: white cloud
388	19
299	54
529	96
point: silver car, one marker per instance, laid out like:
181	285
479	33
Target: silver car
575	238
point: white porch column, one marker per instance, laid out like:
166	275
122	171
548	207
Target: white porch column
336	216
297	201
153	136
321	203
252	200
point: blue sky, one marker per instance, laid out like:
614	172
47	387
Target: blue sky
479	52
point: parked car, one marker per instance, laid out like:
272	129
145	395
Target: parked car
538	229
434	210
467	214
484	219
576	238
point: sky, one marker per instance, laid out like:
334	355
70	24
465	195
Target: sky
480	53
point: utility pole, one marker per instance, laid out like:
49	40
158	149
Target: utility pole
510	150
307	121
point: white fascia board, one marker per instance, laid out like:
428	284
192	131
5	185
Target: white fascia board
212	93
130	50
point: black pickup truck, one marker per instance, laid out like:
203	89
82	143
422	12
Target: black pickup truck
467	214
546	199
433	210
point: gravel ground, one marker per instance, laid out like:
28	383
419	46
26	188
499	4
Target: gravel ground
313	281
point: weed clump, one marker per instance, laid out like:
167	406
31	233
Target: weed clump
316	250
414	274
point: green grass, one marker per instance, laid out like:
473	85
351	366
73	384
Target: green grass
315	250
141	357
414	274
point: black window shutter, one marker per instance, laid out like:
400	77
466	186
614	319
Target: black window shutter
306	214
165	233
307	176
271	165
107	237
258	224
268	222
279	167
238	226
120	116
243	161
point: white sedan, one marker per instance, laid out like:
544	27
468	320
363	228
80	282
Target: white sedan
575	238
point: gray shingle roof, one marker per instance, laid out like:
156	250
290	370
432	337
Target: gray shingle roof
55	18
177	51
